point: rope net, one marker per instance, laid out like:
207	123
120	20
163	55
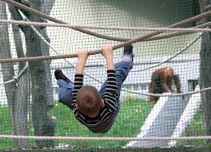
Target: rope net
164	34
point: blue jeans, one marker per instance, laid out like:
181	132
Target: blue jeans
122	69
65	92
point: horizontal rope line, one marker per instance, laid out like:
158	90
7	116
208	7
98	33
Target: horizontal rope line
105	27
45	16
141	38
123	89
24	59
170	58
105	138
166	94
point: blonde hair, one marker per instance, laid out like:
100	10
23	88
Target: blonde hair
88	100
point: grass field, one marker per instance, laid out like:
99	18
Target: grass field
195	128
128	123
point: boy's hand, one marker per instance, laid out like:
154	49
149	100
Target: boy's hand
107	52
82	57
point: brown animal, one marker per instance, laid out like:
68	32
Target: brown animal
162	81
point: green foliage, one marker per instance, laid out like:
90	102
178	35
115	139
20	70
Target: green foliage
5	126
195	128
131	117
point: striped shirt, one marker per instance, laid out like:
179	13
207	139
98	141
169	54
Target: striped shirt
106	117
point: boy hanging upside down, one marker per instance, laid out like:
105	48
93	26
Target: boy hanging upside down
97	110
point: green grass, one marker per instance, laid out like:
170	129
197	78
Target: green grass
5	126
128	123
195	128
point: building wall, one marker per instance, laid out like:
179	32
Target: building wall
133	13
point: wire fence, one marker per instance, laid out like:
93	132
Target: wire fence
39	37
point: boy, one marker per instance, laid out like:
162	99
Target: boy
98	110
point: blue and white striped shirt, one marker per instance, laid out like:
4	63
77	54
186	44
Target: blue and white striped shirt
106	117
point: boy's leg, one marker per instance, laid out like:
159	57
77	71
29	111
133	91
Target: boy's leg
65	92
65	88
122	69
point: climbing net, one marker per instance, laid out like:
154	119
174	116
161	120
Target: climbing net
173	45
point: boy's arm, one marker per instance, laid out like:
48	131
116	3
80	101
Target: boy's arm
107	52
82	57
111	90
78	81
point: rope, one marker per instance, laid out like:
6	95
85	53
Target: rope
35	12
123	89
172	94
47	43
204	25
141	38
106	27
106	138
24	59
160	63
15	78
93	52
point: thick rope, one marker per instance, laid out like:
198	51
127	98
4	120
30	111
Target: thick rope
40	14
96	52
189	30
181	31
47	43
35	12
166	94
204	25
93	52
190	138
123	89
24	59
46	24
160	63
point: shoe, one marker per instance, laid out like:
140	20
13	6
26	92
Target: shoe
60	75
128	49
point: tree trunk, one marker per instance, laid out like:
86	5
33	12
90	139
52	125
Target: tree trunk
42	96
16	95
22	93
205	71
43	124
46	8
7	69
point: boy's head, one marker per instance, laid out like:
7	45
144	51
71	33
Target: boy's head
88	101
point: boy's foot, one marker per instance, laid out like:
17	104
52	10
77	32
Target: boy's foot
128	54
60	75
